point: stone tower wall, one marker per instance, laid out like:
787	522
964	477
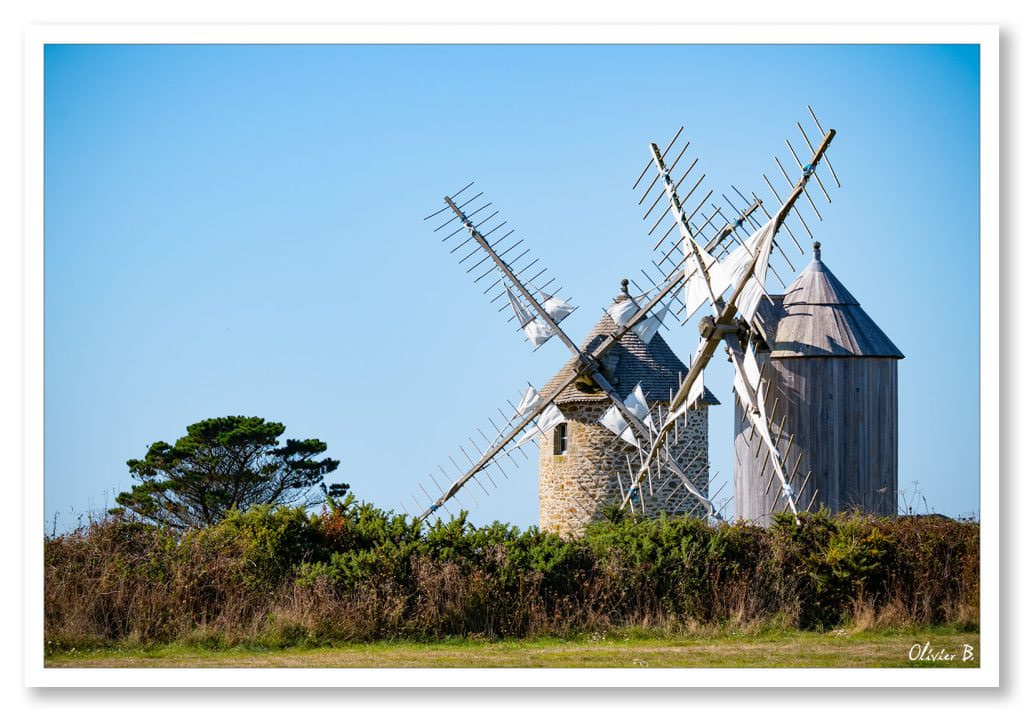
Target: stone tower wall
575	485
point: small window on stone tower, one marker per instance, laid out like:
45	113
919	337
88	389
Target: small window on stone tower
561	438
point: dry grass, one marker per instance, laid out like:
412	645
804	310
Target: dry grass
836	649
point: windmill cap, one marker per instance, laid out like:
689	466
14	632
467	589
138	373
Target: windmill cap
653	365
819	316
817	284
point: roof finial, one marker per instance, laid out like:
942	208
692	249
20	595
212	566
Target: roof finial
625	286
817	250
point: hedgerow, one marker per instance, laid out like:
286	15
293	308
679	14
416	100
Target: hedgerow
277	576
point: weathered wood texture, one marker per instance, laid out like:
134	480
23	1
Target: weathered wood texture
842	416
817	316
833	373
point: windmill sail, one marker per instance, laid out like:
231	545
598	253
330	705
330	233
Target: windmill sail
695	392
615	421
622	312
556	308
530	399
636	403
707	279
501	447
716	260
540	320
503	262
753	290
536	331
649	326
548	419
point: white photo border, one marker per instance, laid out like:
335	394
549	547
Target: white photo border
986	36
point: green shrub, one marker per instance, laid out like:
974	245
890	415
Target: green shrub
277	576
265	543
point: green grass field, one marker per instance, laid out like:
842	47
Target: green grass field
832	649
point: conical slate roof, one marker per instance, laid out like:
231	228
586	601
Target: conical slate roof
654	366
817	316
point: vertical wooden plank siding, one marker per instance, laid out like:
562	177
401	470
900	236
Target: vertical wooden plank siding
842	414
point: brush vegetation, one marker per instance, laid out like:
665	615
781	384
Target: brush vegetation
279	577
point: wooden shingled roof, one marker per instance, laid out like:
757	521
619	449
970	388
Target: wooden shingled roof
654	366
818	316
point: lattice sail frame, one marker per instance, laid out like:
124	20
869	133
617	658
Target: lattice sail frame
688	258
695	261
490	260
589	365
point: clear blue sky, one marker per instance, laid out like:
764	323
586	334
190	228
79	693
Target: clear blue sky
238	230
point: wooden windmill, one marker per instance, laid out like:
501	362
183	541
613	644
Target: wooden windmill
713	259
833	372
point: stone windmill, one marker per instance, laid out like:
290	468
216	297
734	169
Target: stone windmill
655	456
583	463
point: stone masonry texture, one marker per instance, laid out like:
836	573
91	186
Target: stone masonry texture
575	486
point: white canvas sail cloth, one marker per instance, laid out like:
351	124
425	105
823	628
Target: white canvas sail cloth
556	308
614	421
636	403
757	249
696	391
728	273
551	417
693	397
529	400
696	291
747	383
536	330
748	364
647	328
621	312
747	380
